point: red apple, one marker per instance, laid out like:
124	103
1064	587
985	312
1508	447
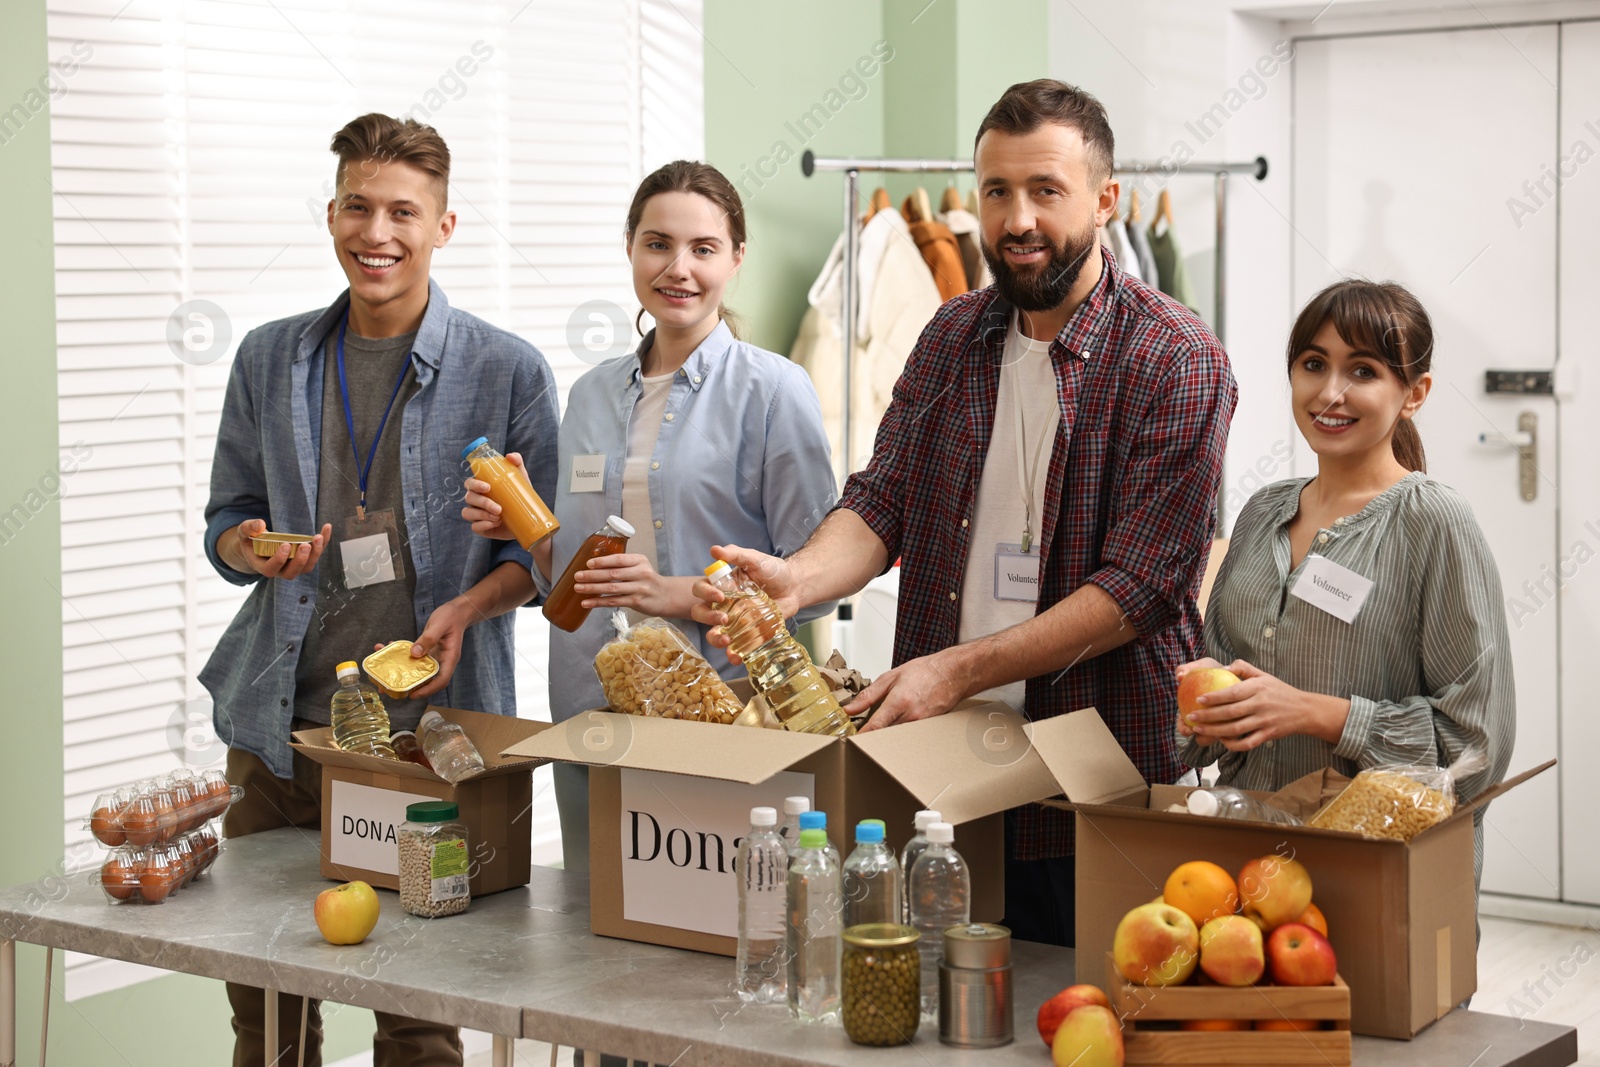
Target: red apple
1090	1036
347	913
1275	888
1231	952
1157	945
1301	956
1199	681
1058	1007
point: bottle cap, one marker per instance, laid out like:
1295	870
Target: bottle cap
813	839
406	733
429	717
880	824
868	833
346	668
795	805
432	811
621	525
473	447
716	568
926	818
941	833
763	817
813	820
1203	802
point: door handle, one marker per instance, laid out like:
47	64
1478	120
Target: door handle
1526	441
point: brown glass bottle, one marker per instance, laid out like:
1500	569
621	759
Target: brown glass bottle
564	606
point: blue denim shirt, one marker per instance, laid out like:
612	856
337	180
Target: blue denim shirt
474	379
742	459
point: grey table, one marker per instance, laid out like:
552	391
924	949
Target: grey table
523	964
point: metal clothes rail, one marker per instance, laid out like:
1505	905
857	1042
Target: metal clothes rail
810	163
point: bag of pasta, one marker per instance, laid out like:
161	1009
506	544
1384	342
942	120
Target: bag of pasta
1397	801
650	668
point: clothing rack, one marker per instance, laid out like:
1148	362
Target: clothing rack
810	163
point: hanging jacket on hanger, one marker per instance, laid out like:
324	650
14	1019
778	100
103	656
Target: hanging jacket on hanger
964	225
937	245
1174	276
1141	248
896	298
1122	248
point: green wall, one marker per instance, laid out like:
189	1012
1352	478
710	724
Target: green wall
129	1027
767	63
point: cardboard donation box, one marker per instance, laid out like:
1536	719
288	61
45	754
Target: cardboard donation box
364	801
669	803
1401	915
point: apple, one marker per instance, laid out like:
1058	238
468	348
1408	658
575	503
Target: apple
347	913
1301	956
1202	891
1198	682
1089	1036
1275	888
1156	945
1058	1007
1231	952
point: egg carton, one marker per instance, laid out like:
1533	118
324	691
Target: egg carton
149	875
157	811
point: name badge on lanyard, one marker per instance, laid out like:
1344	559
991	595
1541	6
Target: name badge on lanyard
1016	574
1337	590
369	541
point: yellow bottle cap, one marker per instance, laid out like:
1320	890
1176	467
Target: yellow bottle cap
715	566
350	663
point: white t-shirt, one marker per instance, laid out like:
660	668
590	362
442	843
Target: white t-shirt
643	429
1027	377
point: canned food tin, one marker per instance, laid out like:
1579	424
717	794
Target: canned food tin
975	1009
977	946
266	544
395	673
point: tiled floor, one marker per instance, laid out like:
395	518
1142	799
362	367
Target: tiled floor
1525	969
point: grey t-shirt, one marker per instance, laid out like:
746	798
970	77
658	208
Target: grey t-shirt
348	622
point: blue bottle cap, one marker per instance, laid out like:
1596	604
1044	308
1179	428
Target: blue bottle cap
813	820
465	452
869	832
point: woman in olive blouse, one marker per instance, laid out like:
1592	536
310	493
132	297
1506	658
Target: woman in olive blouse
1361	608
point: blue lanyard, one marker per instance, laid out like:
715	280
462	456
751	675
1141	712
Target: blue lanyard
350	420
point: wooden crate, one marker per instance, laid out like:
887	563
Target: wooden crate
1140	1006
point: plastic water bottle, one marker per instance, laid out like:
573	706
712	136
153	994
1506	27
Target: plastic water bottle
813	942
871	879
790	830
814	820
449	750
908	857
779	666
941	897
360	722
1226	802
763	888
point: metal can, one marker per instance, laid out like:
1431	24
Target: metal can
975	987
882	977
394	671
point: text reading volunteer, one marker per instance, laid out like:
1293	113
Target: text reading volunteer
694	438
1047	473
350	421
1361	607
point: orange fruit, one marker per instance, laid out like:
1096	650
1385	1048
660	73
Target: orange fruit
1214	1024
1201	890
1313	918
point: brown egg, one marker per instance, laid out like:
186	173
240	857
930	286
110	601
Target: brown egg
105	827
118	878
155	878
166	817
139	822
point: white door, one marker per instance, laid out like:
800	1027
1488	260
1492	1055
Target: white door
1579	169
1406	148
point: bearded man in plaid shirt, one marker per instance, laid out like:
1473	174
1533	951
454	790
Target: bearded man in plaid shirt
1047	475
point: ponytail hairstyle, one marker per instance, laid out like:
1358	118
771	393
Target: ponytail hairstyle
1386	320
689	176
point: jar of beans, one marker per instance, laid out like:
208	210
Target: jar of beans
434	860
882	974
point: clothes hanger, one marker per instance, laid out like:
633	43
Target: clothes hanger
1163	208
1133	206
880	202
951	200
924	205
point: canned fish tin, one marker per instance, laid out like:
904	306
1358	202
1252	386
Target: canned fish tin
395	673
975	1009
882	972
266	544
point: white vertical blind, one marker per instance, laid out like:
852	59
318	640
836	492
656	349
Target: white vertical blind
191	162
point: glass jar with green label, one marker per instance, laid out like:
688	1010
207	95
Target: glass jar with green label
434	860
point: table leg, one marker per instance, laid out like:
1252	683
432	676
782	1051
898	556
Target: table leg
269	1030
8	1003
502	1054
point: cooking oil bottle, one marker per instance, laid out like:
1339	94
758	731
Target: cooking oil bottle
360	723
778	664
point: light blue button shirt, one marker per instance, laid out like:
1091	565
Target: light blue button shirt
741	459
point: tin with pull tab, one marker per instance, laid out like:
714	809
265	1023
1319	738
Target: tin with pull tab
975	1009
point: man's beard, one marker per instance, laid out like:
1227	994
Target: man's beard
1045	286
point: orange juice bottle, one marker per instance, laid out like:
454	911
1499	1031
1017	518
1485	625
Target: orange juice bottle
564	606
524	514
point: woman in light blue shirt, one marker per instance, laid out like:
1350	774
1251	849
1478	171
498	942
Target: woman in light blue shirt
702	439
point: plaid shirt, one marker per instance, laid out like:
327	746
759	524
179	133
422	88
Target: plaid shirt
1146	395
